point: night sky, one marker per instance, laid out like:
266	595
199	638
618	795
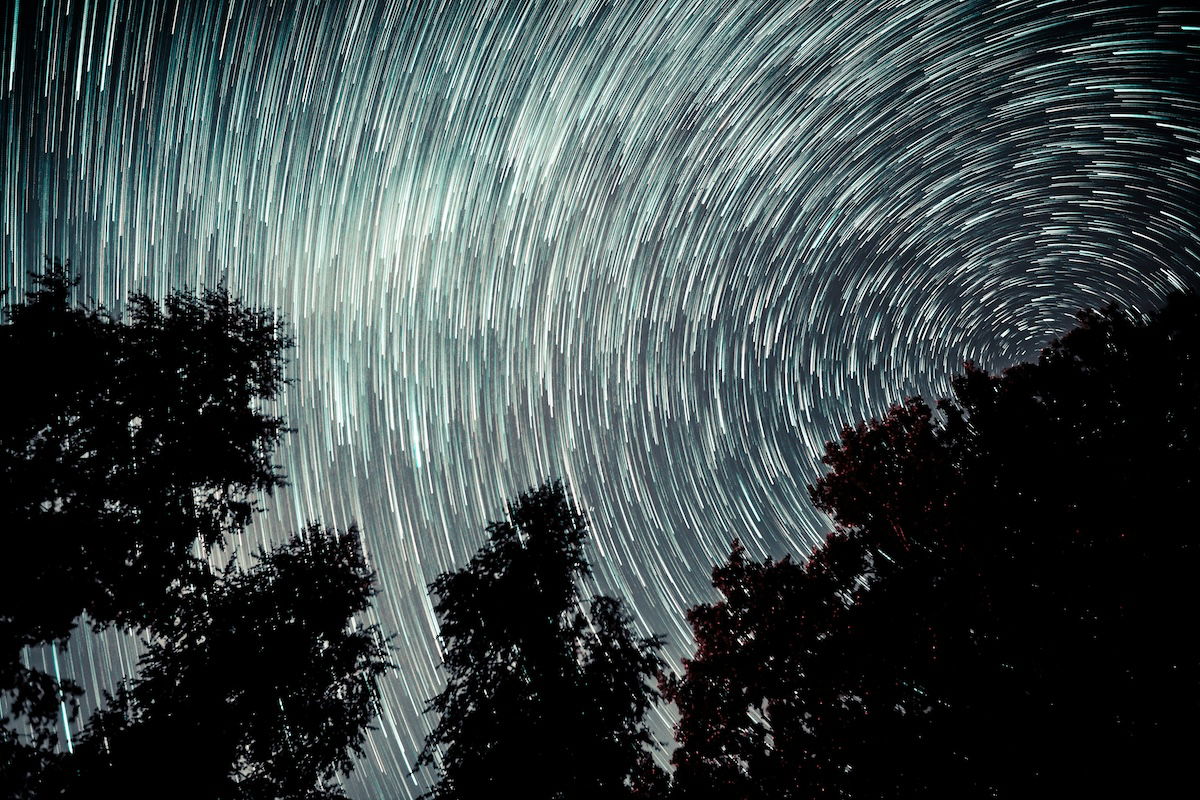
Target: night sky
663	250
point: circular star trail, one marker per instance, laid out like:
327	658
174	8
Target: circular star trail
663	250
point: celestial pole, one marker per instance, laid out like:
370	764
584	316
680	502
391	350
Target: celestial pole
663	250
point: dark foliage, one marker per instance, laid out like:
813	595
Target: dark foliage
129	445
126	443
543	700
261	678
1003	607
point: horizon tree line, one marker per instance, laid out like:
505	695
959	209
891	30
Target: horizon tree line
1001	609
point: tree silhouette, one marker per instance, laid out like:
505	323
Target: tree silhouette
126	443
261	677
543	700
997	611
131	446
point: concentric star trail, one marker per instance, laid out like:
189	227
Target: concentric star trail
661	249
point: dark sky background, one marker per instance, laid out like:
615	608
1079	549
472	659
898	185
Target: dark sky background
661	249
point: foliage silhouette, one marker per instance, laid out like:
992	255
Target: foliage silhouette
127	442
543	700
261	677
131	447
1001	608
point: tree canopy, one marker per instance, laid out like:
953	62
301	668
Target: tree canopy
136	447
127	442
1001	607
544	699
261	677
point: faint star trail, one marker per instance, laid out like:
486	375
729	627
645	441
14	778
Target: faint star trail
661	249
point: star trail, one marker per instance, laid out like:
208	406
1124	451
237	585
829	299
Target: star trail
663	250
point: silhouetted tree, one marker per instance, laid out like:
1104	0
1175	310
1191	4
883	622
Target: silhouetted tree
721	732
262	681
125	443
129	447
1000	610
544	700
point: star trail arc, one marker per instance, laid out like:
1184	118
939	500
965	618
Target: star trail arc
661	249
